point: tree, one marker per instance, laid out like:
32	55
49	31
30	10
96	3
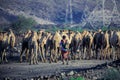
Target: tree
23	24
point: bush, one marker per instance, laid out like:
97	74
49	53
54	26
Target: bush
23	24
53	29
104	28
112	74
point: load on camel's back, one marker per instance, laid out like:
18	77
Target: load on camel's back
7	41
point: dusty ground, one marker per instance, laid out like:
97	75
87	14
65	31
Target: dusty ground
14	70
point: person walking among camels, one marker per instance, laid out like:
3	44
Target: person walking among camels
64	49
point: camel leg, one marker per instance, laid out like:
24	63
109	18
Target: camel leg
97	53
104	54
108	53
5	56
79	55
31	57
89	54
35	60
118	53
101	54
46	54
59	53
23	50
27	51
2	57
55	58
113	53
34	54
89	51
84	53
70	55
51	56
41	54
36	57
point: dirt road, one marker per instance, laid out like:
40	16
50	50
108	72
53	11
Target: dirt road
24	70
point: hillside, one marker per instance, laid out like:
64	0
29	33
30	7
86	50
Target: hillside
54	11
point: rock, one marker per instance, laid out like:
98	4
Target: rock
94	78
38	79
7	78
15	48
108	66
41	77
63	74
71	73
64	78
45	77
31	79
20	44
78	75
75	72
19	51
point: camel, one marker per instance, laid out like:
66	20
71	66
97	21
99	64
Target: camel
33	48
7	41
25	45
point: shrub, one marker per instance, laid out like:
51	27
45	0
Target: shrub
112	74
23	24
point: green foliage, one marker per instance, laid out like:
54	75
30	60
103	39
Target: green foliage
76	29
112	74
78	78
53	29
23	24
104	28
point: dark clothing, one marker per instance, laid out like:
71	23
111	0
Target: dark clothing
64	50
